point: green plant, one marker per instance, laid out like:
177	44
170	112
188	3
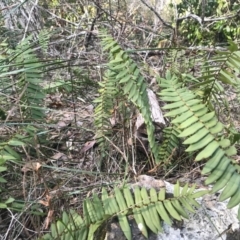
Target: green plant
169	145
148	209
29	81
20	72
58	85
203	132
23	64
122	81
200	22
190	110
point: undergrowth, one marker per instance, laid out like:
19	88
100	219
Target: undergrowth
191	101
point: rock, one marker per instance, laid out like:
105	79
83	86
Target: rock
212	221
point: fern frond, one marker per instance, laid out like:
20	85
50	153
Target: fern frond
125	79
178	61
43	38
169	145
201	129
31	91
8	153
219	69
105	102
222	65
148	208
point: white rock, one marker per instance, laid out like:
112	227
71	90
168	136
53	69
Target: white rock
212	221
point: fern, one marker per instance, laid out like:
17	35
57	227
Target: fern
30	81
208	79
201	131
25	70
105	104
222	66
9	155
179	62
148	209
123	78
169	145
43	38
218	70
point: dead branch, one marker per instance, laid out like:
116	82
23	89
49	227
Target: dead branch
159	17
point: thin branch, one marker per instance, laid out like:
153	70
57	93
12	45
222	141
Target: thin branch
57	17
29	19
190	15
222	18
159	17
201	21
8	7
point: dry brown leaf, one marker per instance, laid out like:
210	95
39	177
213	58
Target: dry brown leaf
130	142
31	166
153	170
113	121
62	124
88	145
68	117
55	101
90	108
57	156
73	201
85	114
156	113
54	136
232	97
46	202
48	219
79	123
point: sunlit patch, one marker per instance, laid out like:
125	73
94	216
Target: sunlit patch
140	226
